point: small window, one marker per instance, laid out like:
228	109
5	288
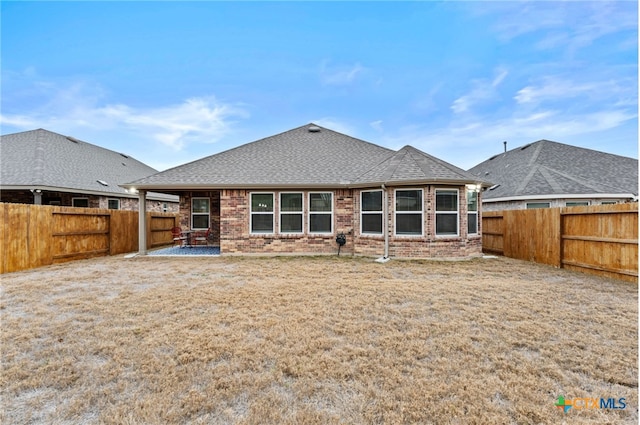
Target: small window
371	212
80	202
113	204
409	212
262	216
447	212
577	204
320	212
291	213
472	212
608	202
534	205
200	213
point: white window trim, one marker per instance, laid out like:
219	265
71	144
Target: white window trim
208	213
526	205
281	213
362	212
309	212
273	213
477	232
396	212
457	212
113	199
73	201
577	201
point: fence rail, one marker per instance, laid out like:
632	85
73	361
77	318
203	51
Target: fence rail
600	239
39	235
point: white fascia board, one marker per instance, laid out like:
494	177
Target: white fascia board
561	196
150	196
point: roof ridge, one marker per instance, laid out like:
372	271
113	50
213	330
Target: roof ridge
441	162
39	160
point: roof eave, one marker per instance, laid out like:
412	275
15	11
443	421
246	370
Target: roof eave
560	196
153	196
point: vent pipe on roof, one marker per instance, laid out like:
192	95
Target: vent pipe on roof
314	129
505	146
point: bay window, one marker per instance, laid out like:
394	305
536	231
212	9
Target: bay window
409	212
447	212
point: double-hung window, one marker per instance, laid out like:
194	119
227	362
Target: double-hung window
320	212
291	212
200	213
472	212
113	204
262	215
409	212
371	212
447	212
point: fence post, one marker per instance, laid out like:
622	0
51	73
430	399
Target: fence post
142	222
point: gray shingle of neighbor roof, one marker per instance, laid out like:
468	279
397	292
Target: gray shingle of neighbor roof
300	157
47	159
548	168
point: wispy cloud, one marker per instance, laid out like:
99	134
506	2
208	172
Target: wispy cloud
81	106
559	87
482	90
336	75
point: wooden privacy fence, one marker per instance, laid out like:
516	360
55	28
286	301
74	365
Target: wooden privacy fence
599	239
39	235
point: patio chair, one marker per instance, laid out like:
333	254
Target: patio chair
202	238
178	238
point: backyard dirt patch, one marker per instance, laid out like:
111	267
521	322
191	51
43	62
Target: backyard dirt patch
292	340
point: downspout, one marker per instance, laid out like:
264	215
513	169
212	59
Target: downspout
385	222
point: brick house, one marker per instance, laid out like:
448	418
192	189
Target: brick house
295	192
548	174
47	168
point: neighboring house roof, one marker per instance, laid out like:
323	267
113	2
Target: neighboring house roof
309	156
547	170
50	161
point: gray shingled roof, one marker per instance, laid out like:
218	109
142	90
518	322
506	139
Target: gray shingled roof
48	160
552	168
305	158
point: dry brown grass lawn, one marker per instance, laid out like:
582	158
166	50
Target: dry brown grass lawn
314	340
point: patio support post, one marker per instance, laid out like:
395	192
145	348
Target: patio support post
142	222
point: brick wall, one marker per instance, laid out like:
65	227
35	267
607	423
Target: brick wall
234	211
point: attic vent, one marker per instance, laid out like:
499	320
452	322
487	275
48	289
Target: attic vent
493	157
123	155
73	139
102	182
525	146
123	164
314	129
495	186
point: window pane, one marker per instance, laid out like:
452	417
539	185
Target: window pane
446	200
533	205
372	201
81	202
262	223
577	204
200	205
114	204
200	222
291	223
408	200
291	202
320	202
408	224
472	223
320	223
472	201
372	223
446	224
262	202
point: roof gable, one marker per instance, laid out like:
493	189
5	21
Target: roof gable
307	156
547	168
47	159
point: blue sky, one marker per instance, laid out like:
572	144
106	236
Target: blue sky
171	82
